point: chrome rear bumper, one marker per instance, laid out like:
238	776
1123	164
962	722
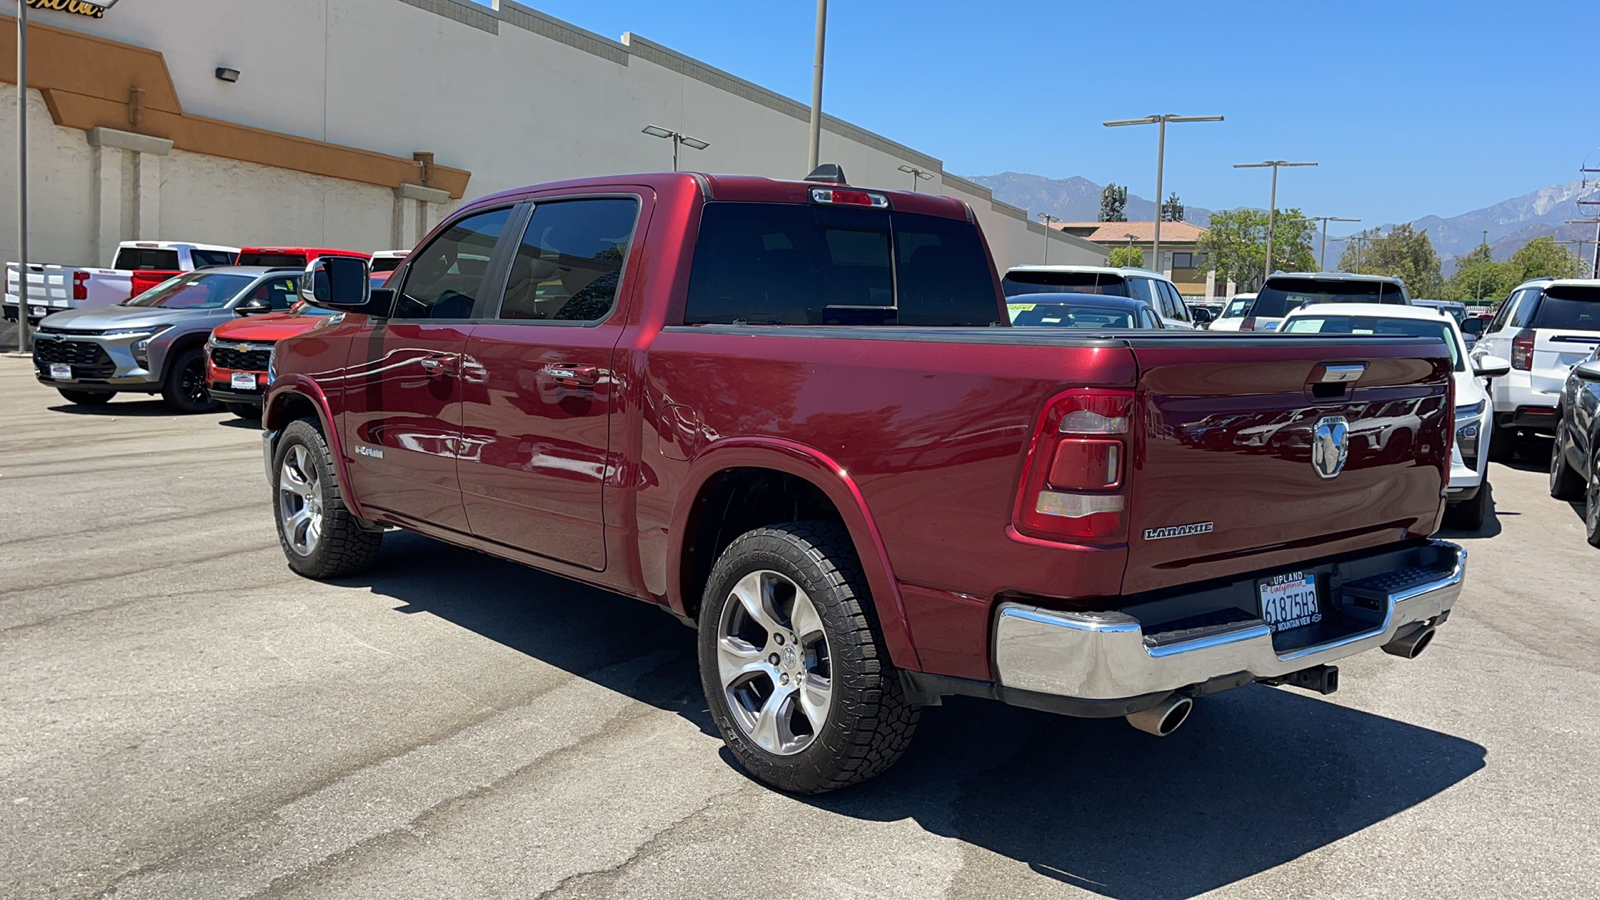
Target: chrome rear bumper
1105	655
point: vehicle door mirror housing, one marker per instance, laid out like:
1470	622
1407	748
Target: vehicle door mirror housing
1491	367
339	283
255	306
1588	371
1202	316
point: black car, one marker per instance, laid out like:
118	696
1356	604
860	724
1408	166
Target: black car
1101	311
1575	461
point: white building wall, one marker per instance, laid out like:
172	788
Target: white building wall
509	94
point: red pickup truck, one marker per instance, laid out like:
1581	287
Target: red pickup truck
793	415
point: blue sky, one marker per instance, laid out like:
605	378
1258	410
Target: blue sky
1410	107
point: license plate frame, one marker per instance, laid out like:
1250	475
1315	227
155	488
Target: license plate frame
60	372
243	381
1290	600
38	311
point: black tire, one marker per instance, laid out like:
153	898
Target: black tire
869	722
343	547
1469	515
86	398
1591	494
1565	484
184	385
1503	443
244	410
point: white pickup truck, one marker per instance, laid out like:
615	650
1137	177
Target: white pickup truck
138	266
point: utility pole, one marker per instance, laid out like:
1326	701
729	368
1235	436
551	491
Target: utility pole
1272	206
815	156
1323	262
1488	256
24	327
1161	154
1047	220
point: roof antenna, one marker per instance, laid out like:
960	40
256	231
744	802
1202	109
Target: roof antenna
828	173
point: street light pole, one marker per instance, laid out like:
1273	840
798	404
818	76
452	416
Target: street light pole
1323	262
1487	256
677	137
916	175
24	327
814	157
1047	220
1272	210
1161	156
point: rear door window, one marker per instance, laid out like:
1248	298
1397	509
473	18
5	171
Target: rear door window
787	264
568	265
280	292
146	259
445	279
204	259
1567	307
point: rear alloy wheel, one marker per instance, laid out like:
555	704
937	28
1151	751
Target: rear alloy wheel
318	533
86	398
185	383
1591	504
1565	484
797	681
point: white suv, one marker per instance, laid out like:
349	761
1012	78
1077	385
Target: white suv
1142	284
1545	327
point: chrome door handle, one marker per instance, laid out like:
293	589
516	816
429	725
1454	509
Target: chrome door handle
585	376
437	365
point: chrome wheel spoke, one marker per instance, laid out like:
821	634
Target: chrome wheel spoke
804	619
754	593
816	696
770	728
737	661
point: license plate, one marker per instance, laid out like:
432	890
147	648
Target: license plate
244	381
1290	601
60	371
36	311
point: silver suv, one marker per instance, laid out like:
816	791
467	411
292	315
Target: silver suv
155	342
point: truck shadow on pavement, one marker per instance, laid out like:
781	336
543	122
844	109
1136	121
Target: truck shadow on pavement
1259	777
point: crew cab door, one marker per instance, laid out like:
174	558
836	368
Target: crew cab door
402	411
540	385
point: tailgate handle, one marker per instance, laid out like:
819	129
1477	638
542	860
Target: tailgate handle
1342	373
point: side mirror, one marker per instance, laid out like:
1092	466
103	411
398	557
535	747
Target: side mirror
255	306
1589	371
341	283
1490	367
1202	316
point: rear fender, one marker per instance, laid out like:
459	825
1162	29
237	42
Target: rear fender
275	415
835	482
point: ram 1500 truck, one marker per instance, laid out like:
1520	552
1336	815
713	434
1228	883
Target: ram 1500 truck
793	415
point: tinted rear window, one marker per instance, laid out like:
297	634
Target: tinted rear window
1064	283
297	260
386	263
1569	307
1280	295
1061	315
785	264
141	258
207	258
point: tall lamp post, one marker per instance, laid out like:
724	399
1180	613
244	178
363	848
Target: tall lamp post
1323	262
693	143
813	157
916	175
1047	218
1272	206
1161	153
1131	238
24	327
1488	256
1594	264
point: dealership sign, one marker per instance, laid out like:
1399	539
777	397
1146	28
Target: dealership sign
76	7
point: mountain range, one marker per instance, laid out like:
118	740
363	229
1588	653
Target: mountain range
1509	223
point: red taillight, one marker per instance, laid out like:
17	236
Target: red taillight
80	285
1522	350
1249	324
1073	487
849	198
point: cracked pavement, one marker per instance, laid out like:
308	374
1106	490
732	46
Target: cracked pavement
183	717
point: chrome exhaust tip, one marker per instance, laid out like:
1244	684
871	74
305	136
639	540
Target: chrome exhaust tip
1165	717
1412	644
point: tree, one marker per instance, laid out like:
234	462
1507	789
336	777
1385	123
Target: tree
1236	244
1543	257
1172	210
1404	253
1127	255
1114	204
1479	278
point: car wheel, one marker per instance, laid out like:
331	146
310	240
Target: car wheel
798	682
244	410
1565	484
87	398
318	533
1502	444
1469	515
1591	504
184	386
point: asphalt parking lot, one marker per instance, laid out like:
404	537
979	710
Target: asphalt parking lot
183	717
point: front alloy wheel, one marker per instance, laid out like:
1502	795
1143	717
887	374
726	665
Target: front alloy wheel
300	501
320	536
772	657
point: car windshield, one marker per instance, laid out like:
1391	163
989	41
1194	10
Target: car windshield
1280	295
1237	308
1064	315
1064	283
194	290
1379	325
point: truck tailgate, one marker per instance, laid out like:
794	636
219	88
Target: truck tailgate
1225	479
